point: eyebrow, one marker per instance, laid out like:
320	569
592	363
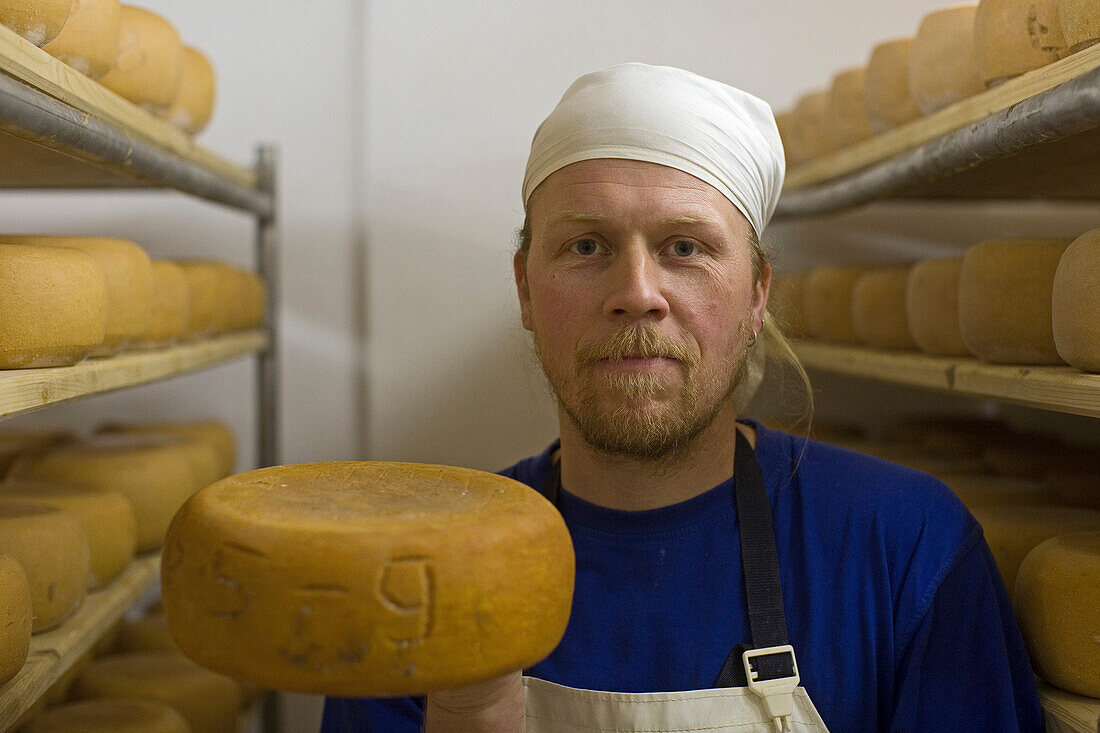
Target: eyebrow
672	221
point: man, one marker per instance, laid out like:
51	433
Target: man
641	278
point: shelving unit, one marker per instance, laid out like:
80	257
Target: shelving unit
1074	714
59	129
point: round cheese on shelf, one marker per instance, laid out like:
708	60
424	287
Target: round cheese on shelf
16	442
129	277
53	306
253	299
15	617
356	578
943	60
785	123
214	433
1080	21
847	111
785	301
207	700
89	40
827	303
170	313
107	517
194	104
1075	303
110	715
932	307
878	309
1016	36
811	121
980	490
227	297
156	476
1056	601
888	101
147	634
1014	531
1005	293
148	69
203	284
52	547
38	21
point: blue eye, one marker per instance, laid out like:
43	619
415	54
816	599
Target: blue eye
684	248
585	247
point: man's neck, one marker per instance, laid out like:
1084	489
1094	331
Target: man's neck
618	482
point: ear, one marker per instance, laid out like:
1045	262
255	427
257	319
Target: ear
519	267
760	297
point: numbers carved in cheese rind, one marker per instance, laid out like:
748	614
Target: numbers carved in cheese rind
405	588
231	563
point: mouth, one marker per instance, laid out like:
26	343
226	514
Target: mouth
636	363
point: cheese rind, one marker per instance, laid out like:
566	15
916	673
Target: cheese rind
52	547
1075	303
110	715
878	309
214	433
38	21
147	634
943	60
194	104
202	282
1080	21
171	305
848	123
888	100
1016	36
15	617
1056	601
932	307
53	306
16	442
1005	296
355	578
811	121
89	40
827	303
148	69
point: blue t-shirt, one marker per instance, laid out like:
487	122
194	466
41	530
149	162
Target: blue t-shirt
897	614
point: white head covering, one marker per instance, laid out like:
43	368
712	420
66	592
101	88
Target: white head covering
672	117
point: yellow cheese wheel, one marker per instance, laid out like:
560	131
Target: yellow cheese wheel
170	311
89	40
18	441
1014	531
785	123
53	306
943	60
156	476
932	307
980	490
1075	303
1080	21
827	303
253	297
129	277
1005	292
52	547
149	67
847	111
195	103
147	634
214	433
15	617
203	283
785	299
207	700
887	97
359	578
811	120
107	517
1016	36
110	715
878	309
1057	603
39	21
227	285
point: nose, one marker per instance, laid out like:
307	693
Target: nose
635	287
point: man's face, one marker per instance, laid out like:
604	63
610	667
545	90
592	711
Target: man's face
639	291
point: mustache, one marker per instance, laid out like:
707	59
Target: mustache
637	341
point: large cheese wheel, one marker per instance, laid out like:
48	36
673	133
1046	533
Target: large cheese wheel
847	109
171	305
1014	531
129	277
932	307
203	283
15	617
1057	603
792	152
878	309
253	297
207	700
14	443
107	517
1080	21
52	547
53	306
156	476
827	303
1075	303
1016	36
1005	292
149	67
811	120
39	21
214	433
195	102
943	60
226	290
979	490
367	578
888	100
110	715
89	40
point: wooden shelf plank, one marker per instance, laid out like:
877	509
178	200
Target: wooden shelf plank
36	68
53	652
1058	389
27	390
1071	713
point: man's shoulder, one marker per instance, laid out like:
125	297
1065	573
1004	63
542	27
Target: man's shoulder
533	469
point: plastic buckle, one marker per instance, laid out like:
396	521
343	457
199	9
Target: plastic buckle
776	692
